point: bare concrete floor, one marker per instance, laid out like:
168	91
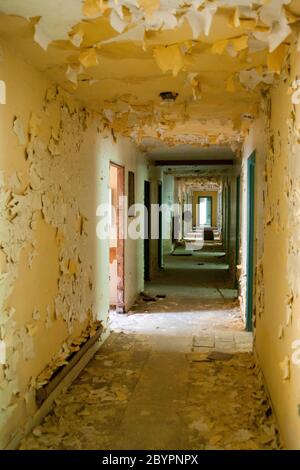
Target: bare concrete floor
176	373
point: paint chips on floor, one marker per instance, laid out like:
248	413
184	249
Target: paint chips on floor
133	395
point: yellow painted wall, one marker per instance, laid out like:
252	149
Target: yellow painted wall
54	278
277	250
214	196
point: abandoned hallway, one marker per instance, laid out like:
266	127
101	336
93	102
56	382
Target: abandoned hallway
168	378
149	224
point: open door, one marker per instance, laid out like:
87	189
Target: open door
116	242
250	241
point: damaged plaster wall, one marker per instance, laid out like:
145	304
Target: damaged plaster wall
54	156
277	261
257	140
47	282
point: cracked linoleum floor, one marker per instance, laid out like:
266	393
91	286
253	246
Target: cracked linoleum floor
168	379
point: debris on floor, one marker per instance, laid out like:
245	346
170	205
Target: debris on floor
219	356
147	298
137	394
180	376
223	341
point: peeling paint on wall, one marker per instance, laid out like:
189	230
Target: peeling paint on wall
50	260
43	205
277	247
48	196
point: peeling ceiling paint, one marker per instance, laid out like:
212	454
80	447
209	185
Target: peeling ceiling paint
117	57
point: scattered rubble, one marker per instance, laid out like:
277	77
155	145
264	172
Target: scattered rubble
223	405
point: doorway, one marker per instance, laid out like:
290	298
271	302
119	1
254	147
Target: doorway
147	232
205	211
228	217
224	218
159	249
116	239
250	240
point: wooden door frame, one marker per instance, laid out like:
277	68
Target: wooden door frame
120	304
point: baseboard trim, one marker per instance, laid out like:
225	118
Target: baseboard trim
266	388
46	406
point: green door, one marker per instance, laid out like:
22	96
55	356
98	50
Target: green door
250	241
238	219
